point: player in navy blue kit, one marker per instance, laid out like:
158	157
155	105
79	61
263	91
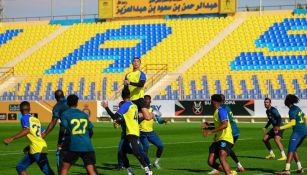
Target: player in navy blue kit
298	122
80	131
274	119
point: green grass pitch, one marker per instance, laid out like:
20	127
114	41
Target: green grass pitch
185	152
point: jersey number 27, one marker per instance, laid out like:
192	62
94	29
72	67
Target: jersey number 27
77	129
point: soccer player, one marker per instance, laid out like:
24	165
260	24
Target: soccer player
128	114
80	131
135	81
32	129
235	134
221	148
274	118
105	105
298	122
57	111
148	135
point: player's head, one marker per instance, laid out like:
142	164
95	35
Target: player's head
126	94
72	100
223	98
58	94
291	100
24	107
136	63
147	99
216	100
267	103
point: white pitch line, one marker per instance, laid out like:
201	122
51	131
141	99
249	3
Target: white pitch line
110	147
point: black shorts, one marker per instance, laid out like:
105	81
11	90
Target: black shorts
216	147
89	158
140	103
235	138
272	134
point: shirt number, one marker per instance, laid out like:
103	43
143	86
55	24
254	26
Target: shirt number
77	129
37	129
301	116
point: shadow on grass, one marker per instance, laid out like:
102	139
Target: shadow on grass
252	157
191	170
260	169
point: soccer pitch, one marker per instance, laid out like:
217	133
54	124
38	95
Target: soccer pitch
186	150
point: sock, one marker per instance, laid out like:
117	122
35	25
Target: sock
157	160
299	165
271	152
146	169
287	166
239	165
283	154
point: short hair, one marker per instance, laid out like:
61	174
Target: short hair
125	92
137	58
58	94
216	97
24	104
72	100
147	96
291	99
222	96
267	98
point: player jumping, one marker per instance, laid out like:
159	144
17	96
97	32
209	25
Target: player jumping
274	118
57	111
221	148
148	135
32	129
298	122
80	131
135	81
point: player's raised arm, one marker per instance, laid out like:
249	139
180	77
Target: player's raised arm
22	133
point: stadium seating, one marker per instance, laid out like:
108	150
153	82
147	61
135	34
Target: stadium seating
91	59
16	39
265	56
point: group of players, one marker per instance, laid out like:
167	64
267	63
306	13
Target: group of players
136	118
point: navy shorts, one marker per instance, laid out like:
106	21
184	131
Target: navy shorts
296	140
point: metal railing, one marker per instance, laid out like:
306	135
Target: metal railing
269	7
6	73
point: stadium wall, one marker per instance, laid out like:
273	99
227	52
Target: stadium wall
9	110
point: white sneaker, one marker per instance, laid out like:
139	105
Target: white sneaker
214	171
149	173
156	164
130	171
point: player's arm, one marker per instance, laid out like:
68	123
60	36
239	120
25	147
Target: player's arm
61	134
223	116
54	120
288	125
22	133
267	125
141	82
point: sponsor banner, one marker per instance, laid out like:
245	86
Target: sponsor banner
105	9
228	6
2	116
203	108
166	107
260	110
133	8
43	110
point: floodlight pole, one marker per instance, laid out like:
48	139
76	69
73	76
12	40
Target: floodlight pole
51	9
81	10
260	6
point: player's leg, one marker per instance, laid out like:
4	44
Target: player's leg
223	159
89	160
119	153
43	163
155	140
144	142
23	164
213	155
145	155
266	141
277	140
69	159
234	156
134	143
124	151
297	159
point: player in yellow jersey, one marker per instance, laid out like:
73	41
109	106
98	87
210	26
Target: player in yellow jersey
128	114
148	135
220	148
135	81
32	129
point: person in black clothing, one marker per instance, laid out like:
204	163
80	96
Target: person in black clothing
274	119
